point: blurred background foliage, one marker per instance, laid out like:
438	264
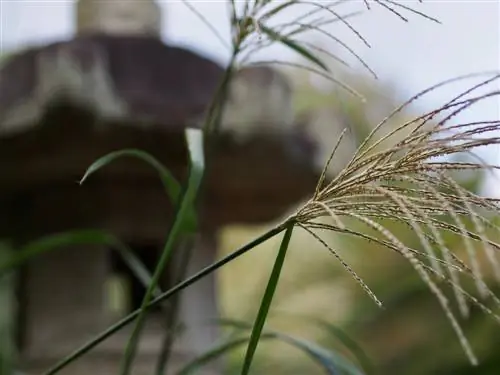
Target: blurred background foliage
411	334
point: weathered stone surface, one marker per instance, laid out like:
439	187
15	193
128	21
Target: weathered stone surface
251	183
259	102
137	78
64	298
83	98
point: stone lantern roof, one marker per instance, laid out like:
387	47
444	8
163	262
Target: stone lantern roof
97	93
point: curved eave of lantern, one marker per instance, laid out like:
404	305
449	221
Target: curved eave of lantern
64	105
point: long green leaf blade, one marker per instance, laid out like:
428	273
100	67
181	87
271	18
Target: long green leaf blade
267	299
171	184
354	348
213	354
277	9
273	35
53	242
329	360
58	241
137	267
315	352
350	344
194	138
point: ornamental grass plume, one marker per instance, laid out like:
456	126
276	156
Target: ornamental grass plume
412	183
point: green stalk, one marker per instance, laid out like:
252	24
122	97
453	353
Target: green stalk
165	256
181	225
267	299
171	292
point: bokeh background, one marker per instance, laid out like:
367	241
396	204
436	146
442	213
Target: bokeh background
411	334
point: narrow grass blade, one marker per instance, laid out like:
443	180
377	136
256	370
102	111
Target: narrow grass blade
349	343
224	348
171	316
273	35
216	352
172	186
137	267
75	238
53	242
335	332
207	23
194	138
277	9
267	299
331	361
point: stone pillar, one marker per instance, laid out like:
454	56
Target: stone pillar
140	17
64	302
198	306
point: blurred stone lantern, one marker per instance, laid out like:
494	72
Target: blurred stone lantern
116	85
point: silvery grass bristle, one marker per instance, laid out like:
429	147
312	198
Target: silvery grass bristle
410	183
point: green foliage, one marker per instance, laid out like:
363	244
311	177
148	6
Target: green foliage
164	296
331	362
294	46
172	186
267	299
181	224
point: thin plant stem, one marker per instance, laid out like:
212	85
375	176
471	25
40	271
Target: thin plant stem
172	310
164	296
267	299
